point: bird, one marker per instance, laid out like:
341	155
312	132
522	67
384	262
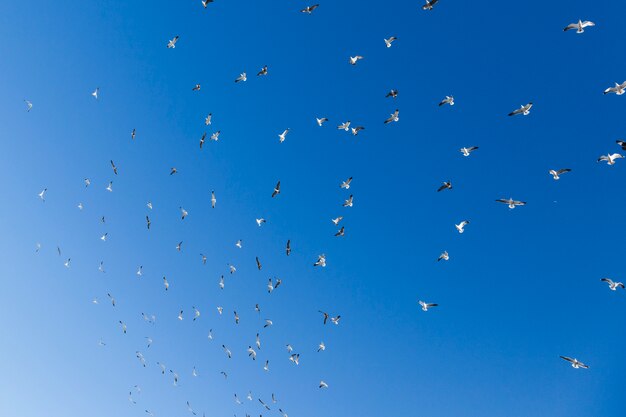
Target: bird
394	117
335	320
557	173
205	3
172	43
461	226
173	171
196	314
467	151
259	222
166	284
180	315
236	317
148	222
276	190
429	4
355	59
175	376
348	202
341	231
213	199
511	203
309	9
133	134
196	87
579	26
42	194
29	105
610	158
149	205
613	285
288	247
67	263
163	368
80	206
356	130
114	167
426	306
221	283
444	255
346	184
622	144
392	93
183	213
215	136
258	263
263	71
337	220
232	268
123	325
321	347
268	323
321	261
344	126
104	237
523	110
448	100
87	182
321	120
263	404
326	316
270	286
242	77
140	271
203	257
575	362
239	244
389	41
323	384
112	299
258	342
207	120
618	89
251	353
446	185
189	407
227	351
179	246
295	358
283	136
95	93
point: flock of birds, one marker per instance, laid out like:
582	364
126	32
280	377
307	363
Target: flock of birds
319	260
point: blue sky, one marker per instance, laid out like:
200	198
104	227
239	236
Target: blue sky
522	286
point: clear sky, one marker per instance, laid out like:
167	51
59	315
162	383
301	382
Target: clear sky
521	288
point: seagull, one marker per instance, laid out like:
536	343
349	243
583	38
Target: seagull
426	306
220	310
179	246
196	87
210	335
321	261
389	41
356	130
29	105
251	353
213	199
580	26
258	342
392	94
249	396
67	263
335	320
141	358
101	267
242	77
180	315
460	227
183	213
429	4
268	323
266	367
196	313
207	120
133	133
259	222
162	368
104	237
348	202
283	135
610	158
511	203
149	341
239	243
148	222
190	409
323	384
556	174
393	117
326	316
166	284
112	299
447	185
175	375
173	171
263	71
87	182
172	43
263	404
523	110
110	187
236	317
321	347
215	136
231	268
337	220
203	259
123	326
258	263
149	205
221	283
295	358
194	373
227	351
613	285
345	126
355	59
289	348
617	89
42	194
622	144
467	151
341	231
346	184
95	93
276	189
288	247
575	362
321	121
205	3
448	100
444	255
270	286
309	9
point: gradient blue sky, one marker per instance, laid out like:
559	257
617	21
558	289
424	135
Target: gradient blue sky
522	287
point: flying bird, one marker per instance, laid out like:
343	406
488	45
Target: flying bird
444	256
429	4
259	222
42	194
610	158
29	105
579	26
448	100
344	126
467	151
288	247
309	9
348	202
276	190
556	174
207	120
575	363
242	77
355	59
392	94
114	167
617	89
523	110
172	42
283	136
321	261
389	41
356	130
213	199
321	121
394	117
95	93
461	226
426	306
263	71
447	185
346	184
613	285
196	87
183	213
510	202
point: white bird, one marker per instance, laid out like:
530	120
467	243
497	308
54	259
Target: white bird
67	263
80	206
110	187
320	121
175	375
557	173
180	315
426	306
215	136
356	130
394	117
467	151
220	310
260	221
610	158
448	100
389	41
149	205
227	351
42	194
323	384
613	285
166	284
523	110
232	268
321	347
344	126
112	299
295	358
618	89
242	77
172	43
239	244
444	255
249	396
258	342
461	226
575	362
321	261
29	105
268	323
101	267
270	286
183	213
194	372
123	325
213	199
210	335
148	341
348	202
289	348
207	120
346	184
337	220
104	237
221	283
266	367
511	203
163	367
579	26
95	93
196	313
355	59
309	9
283	135
335	320
251	353
429	4
87	182
179	247
205	3
190	409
